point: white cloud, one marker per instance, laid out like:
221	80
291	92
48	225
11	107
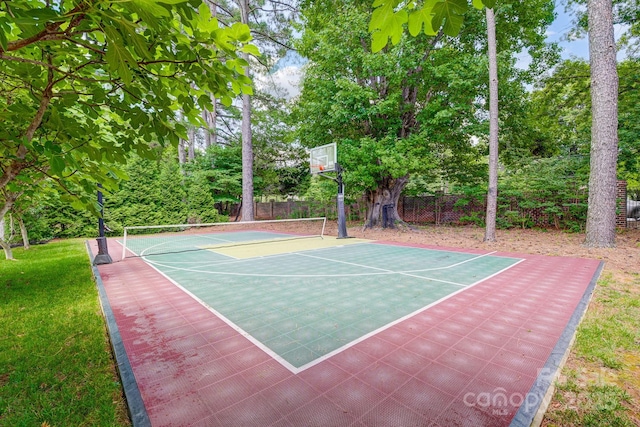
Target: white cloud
285	81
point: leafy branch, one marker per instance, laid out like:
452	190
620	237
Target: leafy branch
390	16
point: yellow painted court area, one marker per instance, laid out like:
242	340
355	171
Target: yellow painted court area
260	248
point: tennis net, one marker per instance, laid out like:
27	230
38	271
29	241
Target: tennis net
149	240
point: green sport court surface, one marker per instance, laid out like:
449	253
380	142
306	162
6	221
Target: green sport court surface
304	300
231	329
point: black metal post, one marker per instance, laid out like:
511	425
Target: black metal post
342	221
103	256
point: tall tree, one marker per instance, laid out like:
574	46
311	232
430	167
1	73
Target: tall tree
411	109
601	216
382	109
492	193
271	26
448	15
247	141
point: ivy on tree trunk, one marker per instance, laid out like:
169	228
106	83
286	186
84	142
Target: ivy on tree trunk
386	194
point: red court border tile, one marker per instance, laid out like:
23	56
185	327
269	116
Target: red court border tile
470	360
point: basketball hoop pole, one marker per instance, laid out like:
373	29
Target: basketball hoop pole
324	159
342	221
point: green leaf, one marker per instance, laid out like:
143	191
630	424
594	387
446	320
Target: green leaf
250	49
205	22
4	27
117	55
489	3
378	41
240	32
226	101
389	23
450	15
478	4
57	165
151	7
420	17
148	11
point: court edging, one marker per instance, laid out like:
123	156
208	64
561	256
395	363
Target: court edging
543	387
135	404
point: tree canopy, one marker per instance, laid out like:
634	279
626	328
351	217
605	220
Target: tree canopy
84	83
411	109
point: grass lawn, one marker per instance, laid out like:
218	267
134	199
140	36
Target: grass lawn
600	384
56	367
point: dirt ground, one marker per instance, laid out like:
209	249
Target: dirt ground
622	260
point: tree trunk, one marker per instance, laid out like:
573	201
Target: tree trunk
387	194
23	233
192	144
182	153
8	253
492	194
211	117
247	143
601	214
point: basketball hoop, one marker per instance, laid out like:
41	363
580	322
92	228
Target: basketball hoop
323	158
319	168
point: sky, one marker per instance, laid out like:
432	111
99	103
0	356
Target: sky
559	30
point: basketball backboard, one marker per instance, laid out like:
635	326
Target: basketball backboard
323	158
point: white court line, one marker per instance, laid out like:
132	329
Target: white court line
205	236
296	370
231	261
381	271
237	328
407	272
403	318
226	273
234	260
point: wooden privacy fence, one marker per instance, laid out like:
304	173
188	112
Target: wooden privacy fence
451	209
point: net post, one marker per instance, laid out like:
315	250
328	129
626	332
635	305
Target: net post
103	256
324	224
124	243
